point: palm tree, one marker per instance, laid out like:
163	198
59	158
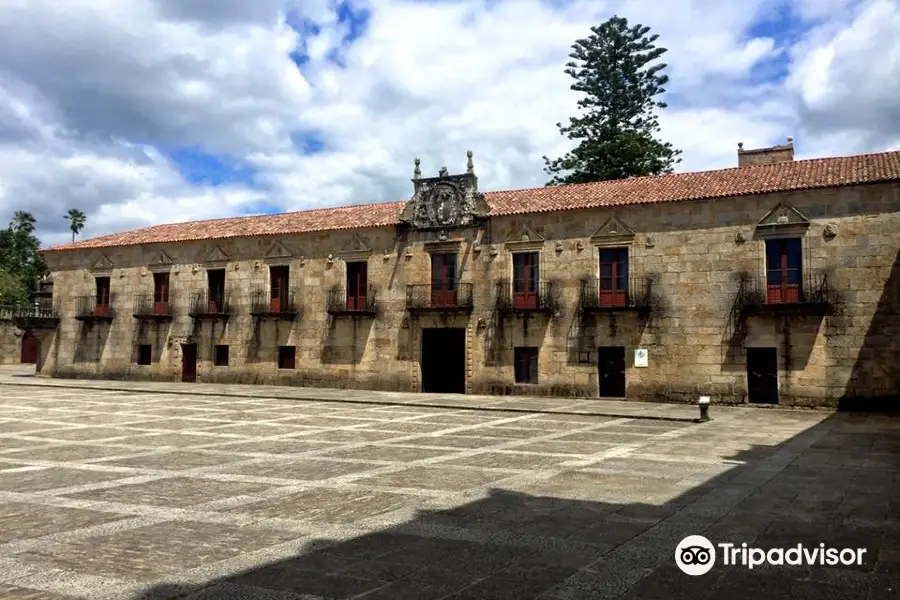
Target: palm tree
76	219
23	221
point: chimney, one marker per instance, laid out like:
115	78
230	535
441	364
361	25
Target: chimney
766	156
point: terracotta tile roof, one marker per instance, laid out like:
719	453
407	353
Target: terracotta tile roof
737	181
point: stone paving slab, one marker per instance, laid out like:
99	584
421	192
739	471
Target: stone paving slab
15	375
147	495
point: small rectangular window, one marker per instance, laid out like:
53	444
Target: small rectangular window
286	355
144	354
526	362
220	356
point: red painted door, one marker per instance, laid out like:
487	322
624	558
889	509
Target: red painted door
30	346
101	305
279	277
443	280
160	293
614	277
783	271
357	284
525	280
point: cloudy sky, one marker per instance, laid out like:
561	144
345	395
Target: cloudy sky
148	111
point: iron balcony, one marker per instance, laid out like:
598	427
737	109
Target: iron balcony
541	299
210	306
809	292
40	314
88	309
619	294
153	306
431	298
280	306
338	303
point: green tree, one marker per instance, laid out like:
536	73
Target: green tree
618	70
20	262
76	219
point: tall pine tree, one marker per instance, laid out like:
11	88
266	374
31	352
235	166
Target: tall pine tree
617	68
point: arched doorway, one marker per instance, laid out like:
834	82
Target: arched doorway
30	346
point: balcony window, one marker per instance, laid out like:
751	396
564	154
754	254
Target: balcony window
784	270
357	285
443	280
525	279
101	305
613	277
215	290
160	293
279	278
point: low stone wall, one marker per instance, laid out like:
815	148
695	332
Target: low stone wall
10	345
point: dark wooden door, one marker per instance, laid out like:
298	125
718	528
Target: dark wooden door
30	347
189	362
161	293
444	360
783	271
762	375
614	277
611	365
525	280
279	278
443	280
357	284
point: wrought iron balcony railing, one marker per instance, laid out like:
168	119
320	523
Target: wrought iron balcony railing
339	302
616	294
265	304
90	308
784	291
39	314
153	306
212	305
427	297
537	297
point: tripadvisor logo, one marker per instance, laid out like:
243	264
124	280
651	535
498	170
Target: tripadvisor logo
696	555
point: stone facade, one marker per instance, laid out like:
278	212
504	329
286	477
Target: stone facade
700	256
10	340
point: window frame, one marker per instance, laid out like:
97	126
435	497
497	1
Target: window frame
141	349
616	292
287	355
526	366
217	355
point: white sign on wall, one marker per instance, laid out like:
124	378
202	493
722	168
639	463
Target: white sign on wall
640	357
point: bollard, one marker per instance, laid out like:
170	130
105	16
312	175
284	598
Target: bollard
703	402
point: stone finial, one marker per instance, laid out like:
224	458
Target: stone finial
443	172
470	166
791	140
740	145
417	172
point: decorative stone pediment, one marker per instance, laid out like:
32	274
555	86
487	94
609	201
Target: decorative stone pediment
278	251
355	249
613	233
525	240
446	201
102	263
783	219
215	255
161	260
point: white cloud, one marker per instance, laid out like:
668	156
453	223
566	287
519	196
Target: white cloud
93	93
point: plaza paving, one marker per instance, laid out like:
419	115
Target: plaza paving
218	494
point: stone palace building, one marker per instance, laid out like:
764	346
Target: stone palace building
773	282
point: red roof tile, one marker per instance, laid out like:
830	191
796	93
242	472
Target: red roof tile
738	181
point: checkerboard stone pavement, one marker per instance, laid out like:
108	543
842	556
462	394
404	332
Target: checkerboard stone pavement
146	494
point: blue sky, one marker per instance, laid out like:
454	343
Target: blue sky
168	111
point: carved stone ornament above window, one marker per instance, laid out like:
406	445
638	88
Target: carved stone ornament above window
215	255
613	233
102	263
784	219
356	249
278	252
525	240
445	202
161	261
